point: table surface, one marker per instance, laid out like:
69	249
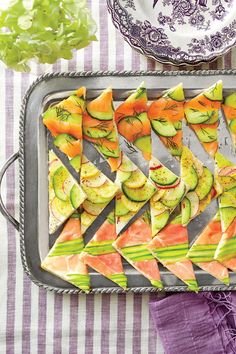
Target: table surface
31	319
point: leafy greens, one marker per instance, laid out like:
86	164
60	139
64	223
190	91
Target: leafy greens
45	30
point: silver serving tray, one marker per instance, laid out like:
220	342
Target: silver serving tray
35	141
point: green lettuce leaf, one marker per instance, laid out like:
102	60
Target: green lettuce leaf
45	30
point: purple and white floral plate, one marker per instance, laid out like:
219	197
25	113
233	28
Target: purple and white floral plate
177	31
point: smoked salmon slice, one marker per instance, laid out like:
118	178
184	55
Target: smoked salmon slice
202	115
203	250
99	128
63	258
132	245
133	123
64	121
166	115
170	247
100	254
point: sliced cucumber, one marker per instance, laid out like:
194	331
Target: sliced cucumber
120	208
215	92
226	182
159	221
214	118
62	183
142	194
106	112
194	116
93	196
162	175
186	211
112	136
190	177
136	180
108	152
178	125
95	132
76	196
194	201
88	170
205	183
173	197
132	206
62	139
176	93
163	128
232	126
231	100
93	209
207	135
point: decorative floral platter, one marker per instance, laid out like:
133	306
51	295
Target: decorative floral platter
177	31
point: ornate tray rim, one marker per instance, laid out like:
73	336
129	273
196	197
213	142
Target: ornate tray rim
48	76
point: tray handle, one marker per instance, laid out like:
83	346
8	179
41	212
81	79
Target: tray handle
3	209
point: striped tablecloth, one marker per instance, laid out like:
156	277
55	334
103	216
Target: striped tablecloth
32	320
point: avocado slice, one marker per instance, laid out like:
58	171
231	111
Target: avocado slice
59	180
207	135
231	100
162	175
163	128
227	215
75	162
159	221
215	92
232	126
186	211
190	177
194	203
76	196
205	183
144	144
136	180
120	208
142	194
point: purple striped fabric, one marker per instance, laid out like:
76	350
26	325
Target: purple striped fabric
31	320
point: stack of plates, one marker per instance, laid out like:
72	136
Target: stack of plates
180	32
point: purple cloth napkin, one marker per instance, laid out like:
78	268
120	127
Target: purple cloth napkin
190	323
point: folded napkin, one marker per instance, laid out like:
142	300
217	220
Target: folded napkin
190	323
